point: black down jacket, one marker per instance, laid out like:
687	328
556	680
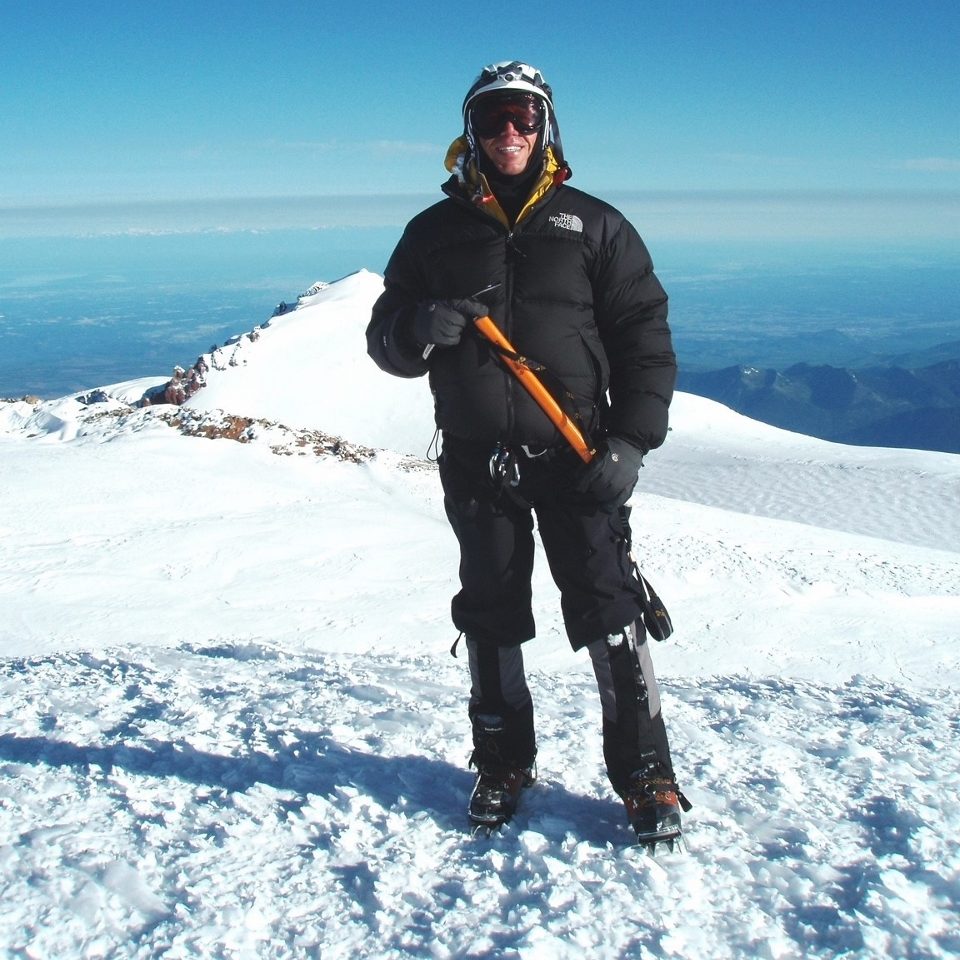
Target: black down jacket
577	294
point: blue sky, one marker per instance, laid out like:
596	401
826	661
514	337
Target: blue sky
152	100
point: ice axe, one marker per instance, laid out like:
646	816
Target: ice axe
518	366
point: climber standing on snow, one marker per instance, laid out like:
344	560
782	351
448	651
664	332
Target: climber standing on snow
572	287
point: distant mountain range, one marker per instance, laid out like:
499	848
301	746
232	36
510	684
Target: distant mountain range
887	406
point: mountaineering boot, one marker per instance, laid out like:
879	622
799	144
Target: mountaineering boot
635	746
653	803
496	792
501	776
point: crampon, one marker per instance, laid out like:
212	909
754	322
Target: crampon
495	795
653	807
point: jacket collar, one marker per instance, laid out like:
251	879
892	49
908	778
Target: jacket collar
467	181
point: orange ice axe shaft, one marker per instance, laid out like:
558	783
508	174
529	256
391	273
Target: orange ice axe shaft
531	383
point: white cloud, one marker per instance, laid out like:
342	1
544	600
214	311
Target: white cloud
408	147
932	164
744	159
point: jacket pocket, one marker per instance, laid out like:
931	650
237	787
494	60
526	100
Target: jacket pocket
601	369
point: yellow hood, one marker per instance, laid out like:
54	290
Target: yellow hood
477	187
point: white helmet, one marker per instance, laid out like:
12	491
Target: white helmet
509	75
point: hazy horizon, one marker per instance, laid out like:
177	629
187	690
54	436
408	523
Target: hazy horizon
77	312
828	215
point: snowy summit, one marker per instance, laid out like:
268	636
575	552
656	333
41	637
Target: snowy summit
232	726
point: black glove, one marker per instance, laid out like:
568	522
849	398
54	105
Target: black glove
612	474
441	322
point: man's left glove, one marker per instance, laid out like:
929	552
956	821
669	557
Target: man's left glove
612	474
442	322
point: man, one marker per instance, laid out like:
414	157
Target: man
571	285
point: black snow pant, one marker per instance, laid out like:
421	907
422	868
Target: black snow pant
586	549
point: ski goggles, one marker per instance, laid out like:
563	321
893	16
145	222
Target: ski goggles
490	115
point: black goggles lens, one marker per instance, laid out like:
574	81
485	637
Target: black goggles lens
490	118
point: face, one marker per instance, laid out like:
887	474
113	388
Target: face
509	151
507	128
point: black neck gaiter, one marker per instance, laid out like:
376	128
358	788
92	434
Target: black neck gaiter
512	190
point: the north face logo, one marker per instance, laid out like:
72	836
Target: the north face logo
567	221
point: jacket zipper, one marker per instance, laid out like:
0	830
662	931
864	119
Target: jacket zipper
511	382
510	253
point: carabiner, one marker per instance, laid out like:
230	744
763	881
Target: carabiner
504	467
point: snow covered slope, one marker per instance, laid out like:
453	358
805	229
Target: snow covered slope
231	725
309	368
